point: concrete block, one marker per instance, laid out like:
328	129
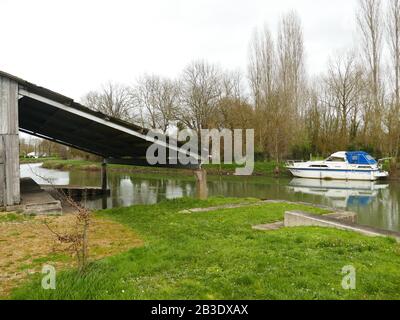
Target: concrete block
299	218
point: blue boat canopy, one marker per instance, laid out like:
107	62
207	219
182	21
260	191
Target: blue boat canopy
360	157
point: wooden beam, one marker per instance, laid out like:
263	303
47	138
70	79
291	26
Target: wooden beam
9	143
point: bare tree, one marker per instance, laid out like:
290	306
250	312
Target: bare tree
200	93
276	75
291	82
393	32
369	20
233	110
262	78
393	38
345	84
232	85
158	99
290	49
261	68
113	100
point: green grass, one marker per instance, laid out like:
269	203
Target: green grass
38	262
34	160
217	255
261	168
71	164
96	166
14	217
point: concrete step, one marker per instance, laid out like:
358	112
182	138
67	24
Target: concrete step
300	218
44	208
36	200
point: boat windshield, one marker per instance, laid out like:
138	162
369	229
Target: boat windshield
335	159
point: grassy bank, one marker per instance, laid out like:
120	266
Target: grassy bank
260	168
217	255
36	160
96	166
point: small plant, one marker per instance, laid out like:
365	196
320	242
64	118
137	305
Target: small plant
76	240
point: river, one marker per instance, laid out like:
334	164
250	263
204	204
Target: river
376	203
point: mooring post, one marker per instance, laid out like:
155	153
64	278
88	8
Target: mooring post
9	143
104	176
104	201
201	184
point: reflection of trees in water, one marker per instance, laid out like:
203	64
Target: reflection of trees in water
389	206
376	204
243	187
178	188
129	190
266	188
383	211
85	178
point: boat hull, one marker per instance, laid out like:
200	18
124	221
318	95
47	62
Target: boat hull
365	175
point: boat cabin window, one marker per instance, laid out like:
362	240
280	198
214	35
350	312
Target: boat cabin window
335	159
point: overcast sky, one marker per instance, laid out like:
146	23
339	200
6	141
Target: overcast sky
73	46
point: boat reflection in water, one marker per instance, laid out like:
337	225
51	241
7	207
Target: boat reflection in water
341	194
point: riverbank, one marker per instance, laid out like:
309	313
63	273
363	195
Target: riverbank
36	160
261	168
266	169
217	255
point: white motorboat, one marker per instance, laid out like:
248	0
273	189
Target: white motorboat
345	165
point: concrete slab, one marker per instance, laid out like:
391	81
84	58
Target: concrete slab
221	207
36	200
300	218
250	204
345	216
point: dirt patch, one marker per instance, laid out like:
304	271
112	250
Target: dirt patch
26	244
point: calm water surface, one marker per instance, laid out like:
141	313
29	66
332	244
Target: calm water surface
377	203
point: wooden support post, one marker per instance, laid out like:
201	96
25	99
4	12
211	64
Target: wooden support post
104	201
104	176
9	143
201	184
104	184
